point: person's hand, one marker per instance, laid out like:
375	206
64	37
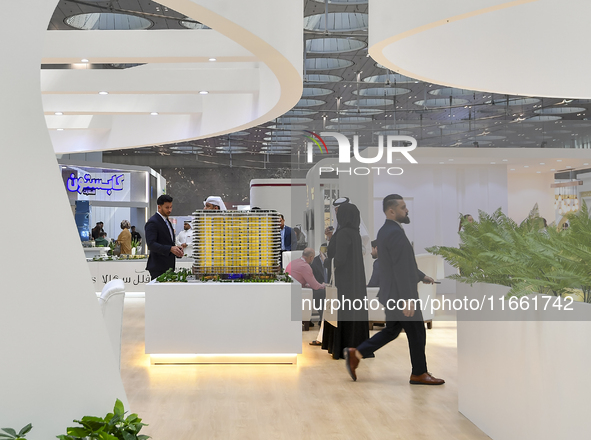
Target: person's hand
322	256
177	250
184	245
428	280
409	310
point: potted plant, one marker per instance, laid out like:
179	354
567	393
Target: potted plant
9	433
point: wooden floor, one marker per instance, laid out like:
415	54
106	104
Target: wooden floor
313	399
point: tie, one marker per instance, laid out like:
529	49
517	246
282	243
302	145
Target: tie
170	229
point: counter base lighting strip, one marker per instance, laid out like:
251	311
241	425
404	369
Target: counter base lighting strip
238	358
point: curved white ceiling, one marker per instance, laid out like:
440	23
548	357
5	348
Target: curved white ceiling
525	47
256	77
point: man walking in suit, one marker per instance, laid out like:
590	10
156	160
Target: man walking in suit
399	276
160	239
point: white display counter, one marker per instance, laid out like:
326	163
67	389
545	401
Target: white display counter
223	322
91	252
132	272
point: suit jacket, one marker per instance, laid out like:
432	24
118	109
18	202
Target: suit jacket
288	238
159	241
399	274
374	281
318	269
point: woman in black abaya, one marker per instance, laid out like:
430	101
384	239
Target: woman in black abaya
346	250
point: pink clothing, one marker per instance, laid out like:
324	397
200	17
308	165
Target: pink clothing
302	273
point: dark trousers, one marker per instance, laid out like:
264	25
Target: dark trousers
155	273
415	332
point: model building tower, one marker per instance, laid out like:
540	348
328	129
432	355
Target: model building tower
236	242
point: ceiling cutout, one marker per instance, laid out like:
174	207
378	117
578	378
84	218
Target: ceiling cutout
315	91
288	127
348	119
333	45
317	79
336	22
369	102
361	111
292	120
300	112
108	21
382	91
192	24
559	110
544	118
393	133
345	127
313	64
343	2
441	102
390	78
512	101
309	103
451	91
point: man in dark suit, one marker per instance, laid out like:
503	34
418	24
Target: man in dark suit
160	239
399	276
287	236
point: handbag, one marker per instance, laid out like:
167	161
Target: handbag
331	316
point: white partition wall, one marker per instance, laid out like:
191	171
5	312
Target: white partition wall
57	361
287	196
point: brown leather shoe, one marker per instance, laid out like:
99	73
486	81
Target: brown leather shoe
351	361
425	379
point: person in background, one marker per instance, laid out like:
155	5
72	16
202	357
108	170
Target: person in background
374	281
124	238
365	240
320	274
185	239
135	235
102	241
466	218
287	236
214	203
300	239
160	239
96	231
301	271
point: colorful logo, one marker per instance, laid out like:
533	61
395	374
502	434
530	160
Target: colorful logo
316	142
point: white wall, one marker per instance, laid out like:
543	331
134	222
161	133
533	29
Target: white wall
525	190
57	361
286	196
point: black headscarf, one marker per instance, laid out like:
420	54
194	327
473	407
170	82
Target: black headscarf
348	216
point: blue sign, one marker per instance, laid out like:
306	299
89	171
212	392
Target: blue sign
87	185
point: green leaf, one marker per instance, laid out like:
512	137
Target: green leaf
25	429
143	437
10	431
119	410
78	432
6	436
107	436
132	417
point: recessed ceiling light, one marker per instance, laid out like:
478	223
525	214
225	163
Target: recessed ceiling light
526	166
568	166
558	160
213	59
451	160
441	163
539	172
203	92
553	169
103	93
542	163
493	163
60	129
154	113
512	169
58	113
585	163
84	60
505	160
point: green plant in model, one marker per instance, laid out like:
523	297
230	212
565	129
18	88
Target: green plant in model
10	433
114	426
